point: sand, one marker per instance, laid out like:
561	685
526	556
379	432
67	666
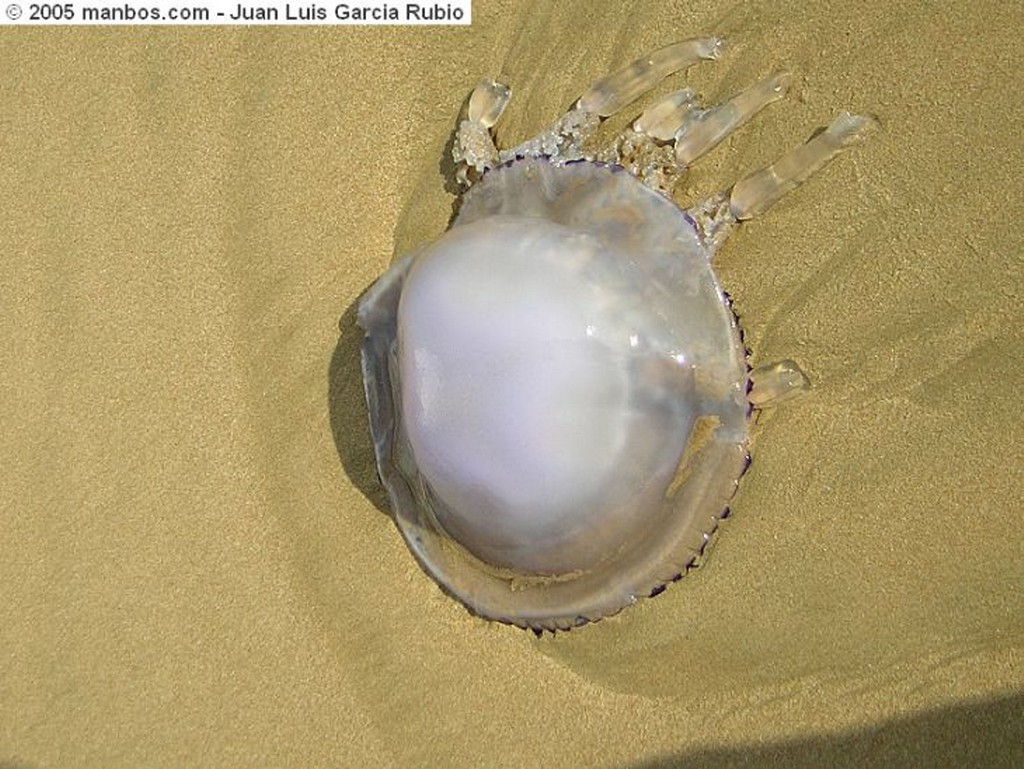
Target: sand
196	565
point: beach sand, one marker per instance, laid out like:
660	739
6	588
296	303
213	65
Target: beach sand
196	563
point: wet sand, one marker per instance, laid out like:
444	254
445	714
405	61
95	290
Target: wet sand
196	565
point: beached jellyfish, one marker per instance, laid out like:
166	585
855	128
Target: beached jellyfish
558	389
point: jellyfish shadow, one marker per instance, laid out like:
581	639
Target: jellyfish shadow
349	418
